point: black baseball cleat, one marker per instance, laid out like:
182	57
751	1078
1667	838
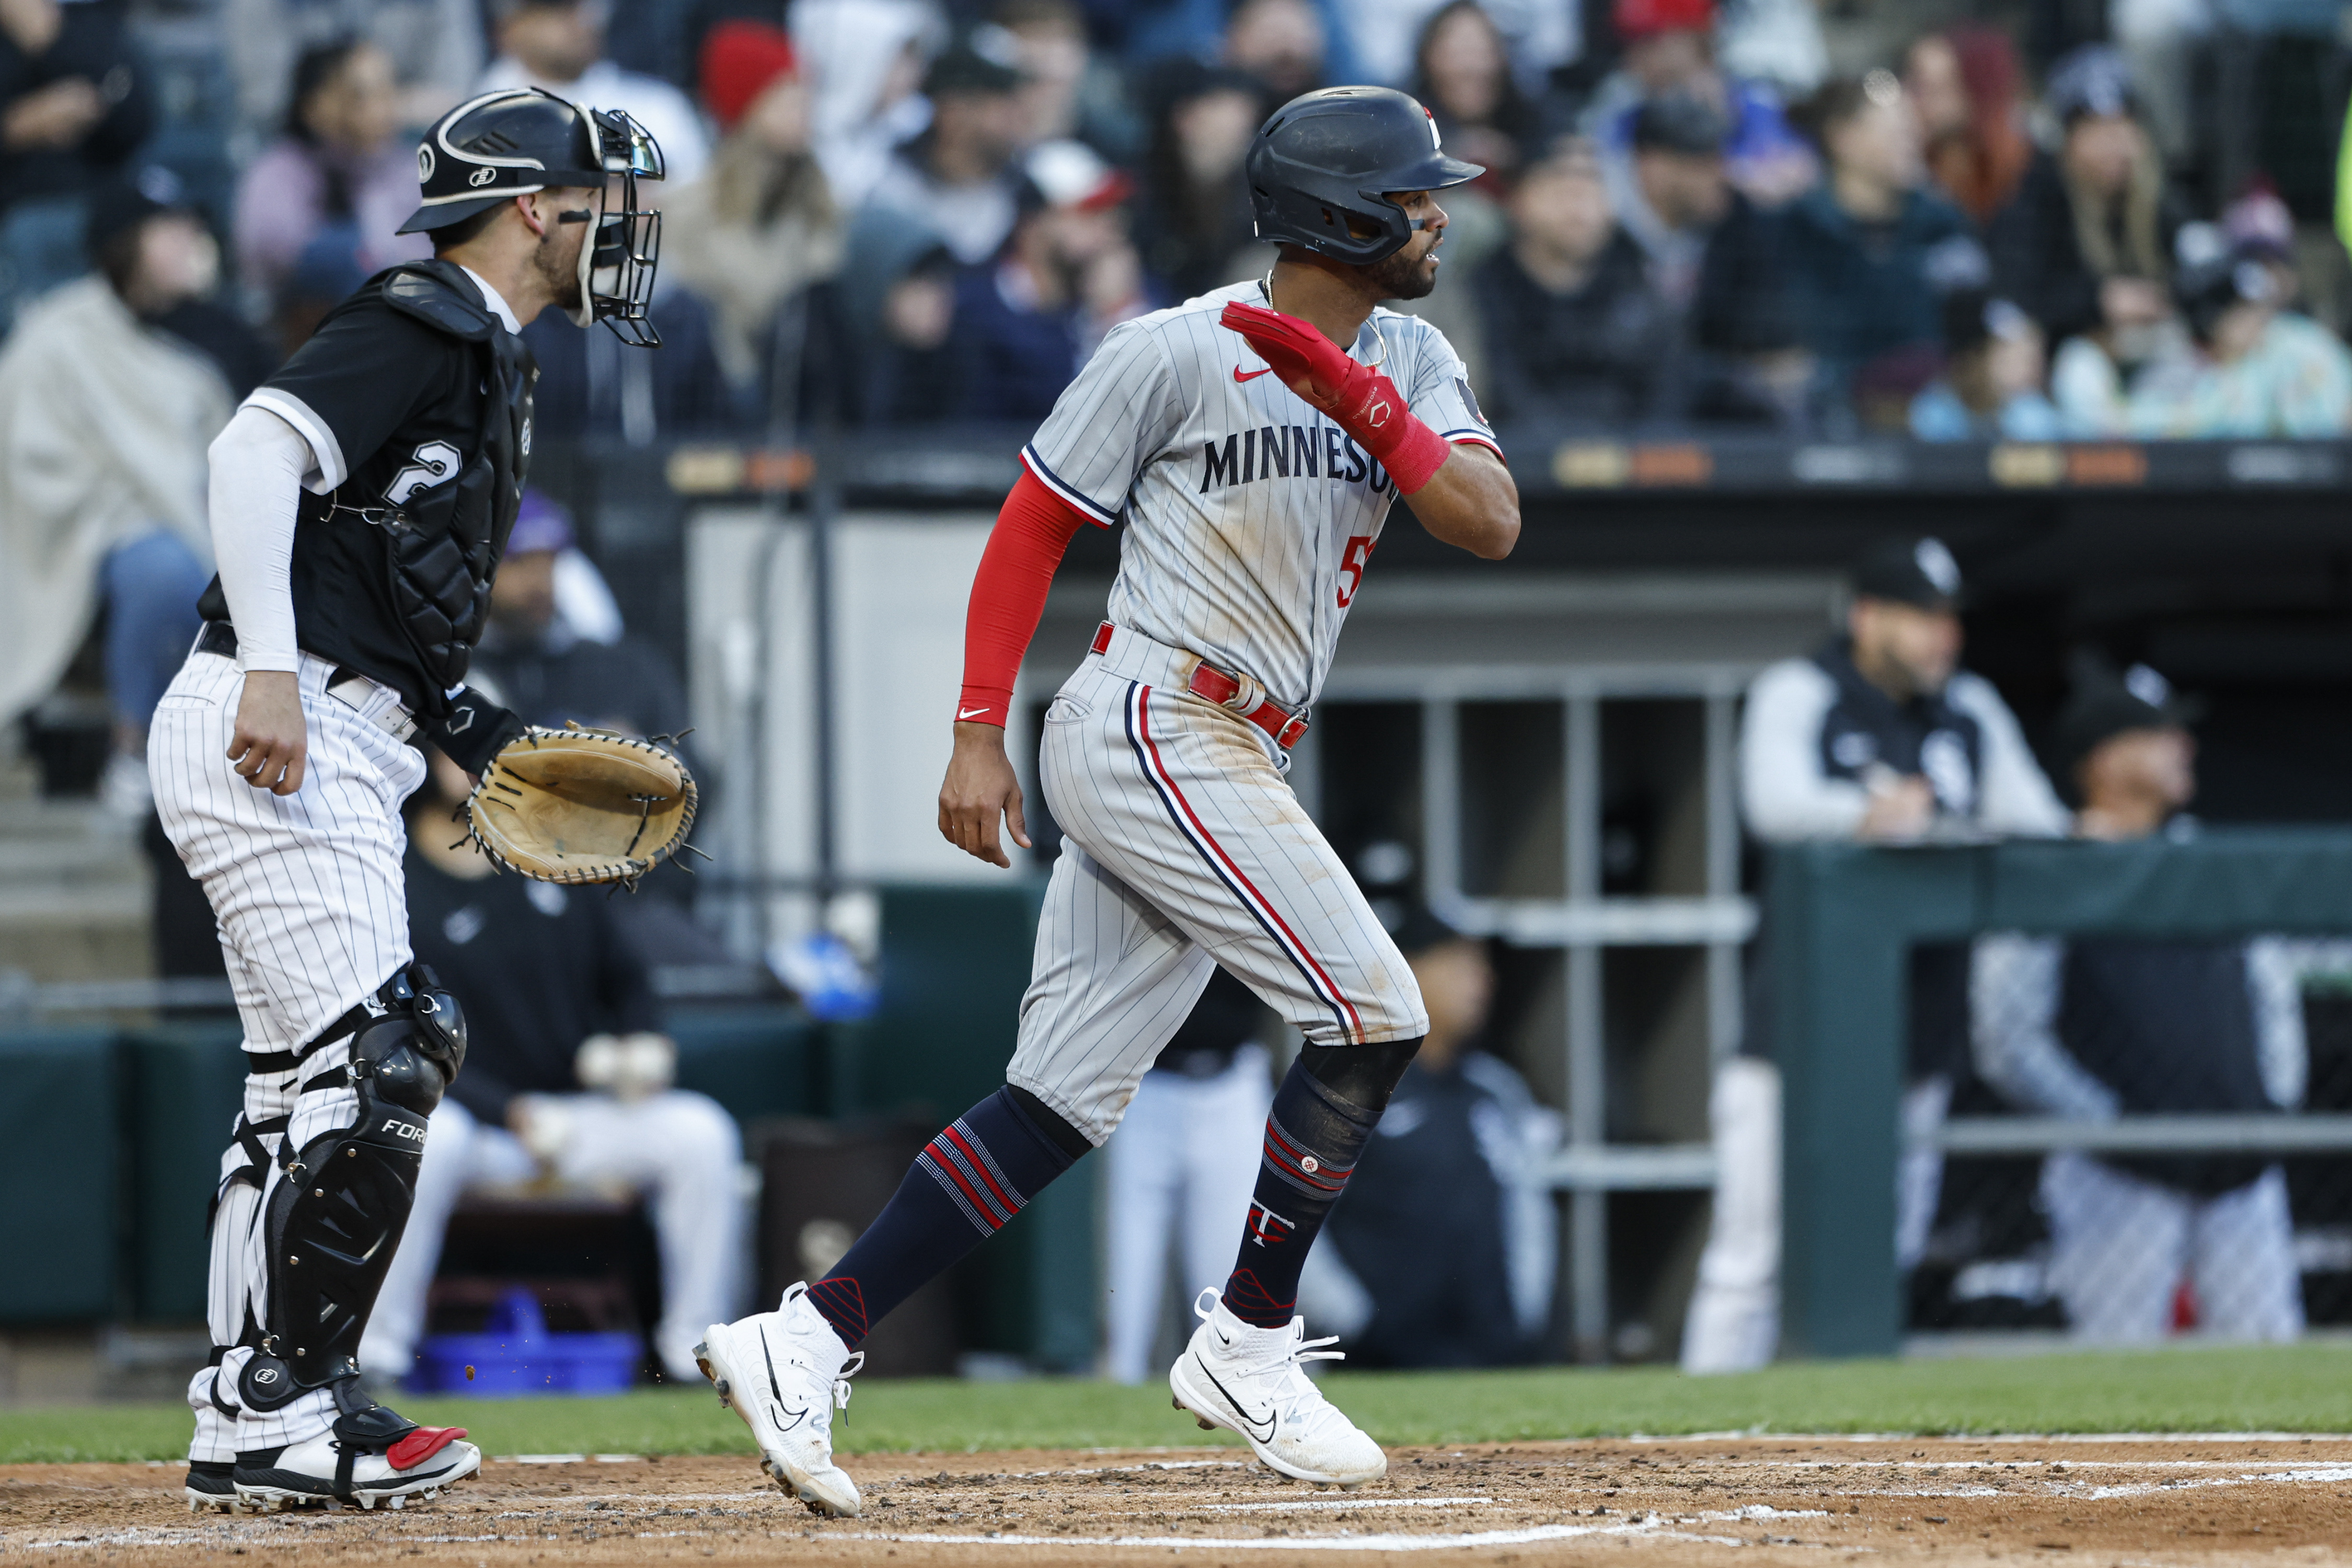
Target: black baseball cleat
212	1485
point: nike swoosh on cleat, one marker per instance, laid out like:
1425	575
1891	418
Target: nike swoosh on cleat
1252	375
798	1416
774	1386
1272	1421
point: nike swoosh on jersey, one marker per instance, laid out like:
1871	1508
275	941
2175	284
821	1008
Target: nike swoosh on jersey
1272	1418
1252	375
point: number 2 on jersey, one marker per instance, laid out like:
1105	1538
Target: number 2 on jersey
1352	563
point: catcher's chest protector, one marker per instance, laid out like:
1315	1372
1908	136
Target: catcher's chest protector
447	545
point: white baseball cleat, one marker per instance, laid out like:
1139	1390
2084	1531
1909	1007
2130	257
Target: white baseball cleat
1251	1381
785	1372
326	1468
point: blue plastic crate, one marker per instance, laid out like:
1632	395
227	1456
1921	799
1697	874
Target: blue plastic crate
516	1355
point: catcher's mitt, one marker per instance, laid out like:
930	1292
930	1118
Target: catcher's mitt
581	805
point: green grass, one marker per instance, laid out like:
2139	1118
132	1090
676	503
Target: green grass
2306	1388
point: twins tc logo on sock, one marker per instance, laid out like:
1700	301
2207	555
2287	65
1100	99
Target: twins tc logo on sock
1267	1227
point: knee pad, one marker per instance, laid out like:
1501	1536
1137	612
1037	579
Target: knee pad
335	1219
1362	1075
413	1050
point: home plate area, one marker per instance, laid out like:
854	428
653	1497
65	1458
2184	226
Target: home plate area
2158	1499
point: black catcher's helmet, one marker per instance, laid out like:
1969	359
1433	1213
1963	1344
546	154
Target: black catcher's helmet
508	143
1327	156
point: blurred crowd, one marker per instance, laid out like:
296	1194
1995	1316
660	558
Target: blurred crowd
899	212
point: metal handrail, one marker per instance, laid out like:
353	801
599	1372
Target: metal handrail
2227	1134
19	996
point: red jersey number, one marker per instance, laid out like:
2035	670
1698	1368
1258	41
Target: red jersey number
1351	566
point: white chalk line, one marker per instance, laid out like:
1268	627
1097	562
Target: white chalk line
1645	1524
1326	1505
1451	1541
2018	1465
1765	1434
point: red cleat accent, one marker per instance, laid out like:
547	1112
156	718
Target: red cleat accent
422	1445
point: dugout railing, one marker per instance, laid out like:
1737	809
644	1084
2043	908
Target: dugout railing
1845	922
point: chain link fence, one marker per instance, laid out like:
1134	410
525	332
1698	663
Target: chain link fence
2127	1116
2146	1137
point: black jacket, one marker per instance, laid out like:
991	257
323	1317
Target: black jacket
1861	289
535	967
2169	1026
2037	255
595	388
1420	1226
92	43
1595	355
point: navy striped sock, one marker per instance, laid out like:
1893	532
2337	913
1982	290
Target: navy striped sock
964	1185
1313	1139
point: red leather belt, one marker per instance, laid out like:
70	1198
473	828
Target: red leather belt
1229	692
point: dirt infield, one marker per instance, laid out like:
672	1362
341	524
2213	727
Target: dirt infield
1699	1501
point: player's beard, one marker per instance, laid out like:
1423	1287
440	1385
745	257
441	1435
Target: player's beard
559	265
1405	275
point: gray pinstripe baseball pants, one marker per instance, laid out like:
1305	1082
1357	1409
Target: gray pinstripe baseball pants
1185	848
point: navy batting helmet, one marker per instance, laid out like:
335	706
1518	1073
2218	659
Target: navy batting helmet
1328	157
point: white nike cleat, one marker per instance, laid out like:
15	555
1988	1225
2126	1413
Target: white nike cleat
326	1469
785	1372
1251	1381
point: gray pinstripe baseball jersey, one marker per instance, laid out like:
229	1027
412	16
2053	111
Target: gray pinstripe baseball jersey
1250	515
1250	518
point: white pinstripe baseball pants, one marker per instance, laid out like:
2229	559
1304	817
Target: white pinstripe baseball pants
1185	848
307	888
313	916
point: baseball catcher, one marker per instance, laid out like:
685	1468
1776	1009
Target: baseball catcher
360	500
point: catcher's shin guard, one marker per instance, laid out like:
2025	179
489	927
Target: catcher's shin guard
335	1217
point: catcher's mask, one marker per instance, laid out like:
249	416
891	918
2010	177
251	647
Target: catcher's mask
512	142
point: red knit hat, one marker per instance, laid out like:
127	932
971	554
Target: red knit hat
741	61
1647	18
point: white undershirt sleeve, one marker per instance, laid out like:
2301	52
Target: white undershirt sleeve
2014	795
258	463
1785	793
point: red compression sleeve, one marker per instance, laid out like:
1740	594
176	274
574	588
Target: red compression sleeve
1008	596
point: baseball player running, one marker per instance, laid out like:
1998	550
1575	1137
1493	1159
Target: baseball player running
360	502
1252	439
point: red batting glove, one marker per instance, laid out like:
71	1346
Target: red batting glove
1360	399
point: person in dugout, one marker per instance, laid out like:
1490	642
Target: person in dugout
1878	735
2091	1029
